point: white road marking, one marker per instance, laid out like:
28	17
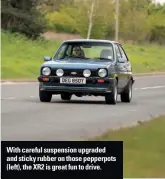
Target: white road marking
133	110
8	98
149	87
152	87
18	83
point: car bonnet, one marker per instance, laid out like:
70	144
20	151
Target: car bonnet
78	64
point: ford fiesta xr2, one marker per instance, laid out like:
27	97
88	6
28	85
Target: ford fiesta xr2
87	67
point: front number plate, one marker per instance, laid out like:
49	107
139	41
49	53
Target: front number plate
73	80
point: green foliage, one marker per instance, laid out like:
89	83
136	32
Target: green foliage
99	29
81	19
157	26
158	34
132	28
49	6
101	19
21	16
61	22
139	20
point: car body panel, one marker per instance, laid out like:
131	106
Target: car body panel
122	69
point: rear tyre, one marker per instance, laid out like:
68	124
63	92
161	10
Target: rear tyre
45	96
126	96
66	96
112	97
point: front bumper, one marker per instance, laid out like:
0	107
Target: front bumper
92	86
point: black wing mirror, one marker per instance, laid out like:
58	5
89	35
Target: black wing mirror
47	58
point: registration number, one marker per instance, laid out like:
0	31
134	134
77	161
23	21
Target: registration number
73	80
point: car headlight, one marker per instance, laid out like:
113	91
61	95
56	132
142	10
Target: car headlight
60	72
46	71
102	72
87	73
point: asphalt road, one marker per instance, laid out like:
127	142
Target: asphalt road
24	117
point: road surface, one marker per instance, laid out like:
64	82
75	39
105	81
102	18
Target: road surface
24	117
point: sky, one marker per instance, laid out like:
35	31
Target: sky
161	1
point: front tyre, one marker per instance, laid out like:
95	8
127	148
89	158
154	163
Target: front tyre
112	97
126	96
45	96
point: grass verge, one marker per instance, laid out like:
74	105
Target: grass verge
144	148
21	57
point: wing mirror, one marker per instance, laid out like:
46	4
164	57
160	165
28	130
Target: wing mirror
47	58
121	60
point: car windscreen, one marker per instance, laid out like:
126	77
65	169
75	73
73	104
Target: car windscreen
86	50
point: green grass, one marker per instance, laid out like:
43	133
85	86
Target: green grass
21	57
144	148
146	58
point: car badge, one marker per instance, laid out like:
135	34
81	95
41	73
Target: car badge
74	73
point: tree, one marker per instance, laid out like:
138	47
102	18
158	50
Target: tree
22	16
50	6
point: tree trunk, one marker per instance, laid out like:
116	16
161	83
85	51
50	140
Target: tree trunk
90	20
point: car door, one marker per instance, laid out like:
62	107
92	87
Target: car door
120	68
127	63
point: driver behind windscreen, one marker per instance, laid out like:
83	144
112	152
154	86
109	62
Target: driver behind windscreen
77	52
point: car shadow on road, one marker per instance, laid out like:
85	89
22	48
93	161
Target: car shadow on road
80	102
89	102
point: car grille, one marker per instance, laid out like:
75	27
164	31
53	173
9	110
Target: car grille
78	73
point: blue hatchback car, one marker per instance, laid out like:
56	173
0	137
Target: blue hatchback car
87	67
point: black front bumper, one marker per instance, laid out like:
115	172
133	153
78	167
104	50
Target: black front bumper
91	86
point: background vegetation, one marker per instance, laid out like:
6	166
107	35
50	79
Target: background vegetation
141	28
22	57
140	20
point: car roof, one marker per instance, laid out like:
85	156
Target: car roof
91	40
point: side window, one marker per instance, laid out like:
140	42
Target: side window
118	54
123	54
